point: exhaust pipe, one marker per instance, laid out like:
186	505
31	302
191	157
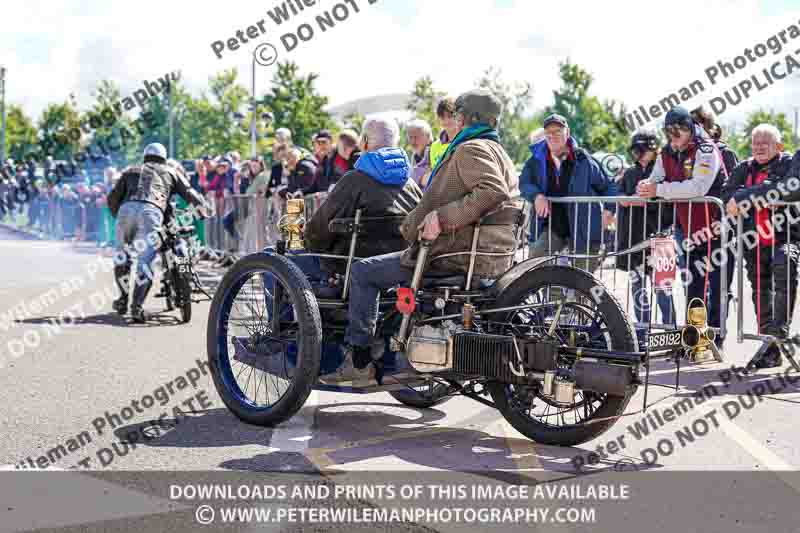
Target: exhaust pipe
601	377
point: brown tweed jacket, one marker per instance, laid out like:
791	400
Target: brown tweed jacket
477	179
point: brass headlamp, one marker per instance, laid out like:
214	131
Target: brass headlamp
696	336
291	224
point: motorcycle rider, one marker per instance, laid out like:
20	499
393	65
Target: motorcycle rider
139	201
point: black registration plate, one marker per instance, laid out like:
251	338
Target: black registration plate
665	340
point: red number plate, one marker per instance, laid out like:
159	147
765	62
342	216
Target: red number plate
665	262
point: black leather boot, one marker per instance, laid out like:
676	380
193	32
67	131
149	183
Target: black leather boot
139	315
121	277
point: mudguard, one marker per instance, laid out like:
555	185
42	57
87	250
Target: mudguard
516	272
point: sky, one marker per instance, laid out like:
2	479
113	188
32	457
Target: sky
637	52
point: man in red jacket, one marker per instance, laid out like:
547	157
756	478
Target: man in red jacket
772	263
691	166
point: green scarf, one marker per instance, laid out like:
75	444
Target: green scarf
476	131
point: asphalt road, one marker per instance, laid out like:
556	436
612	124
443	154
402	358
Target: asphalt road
73	384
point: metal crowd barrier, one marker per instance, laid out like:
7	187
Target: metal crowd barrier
243	224
791	216
53	217
593	258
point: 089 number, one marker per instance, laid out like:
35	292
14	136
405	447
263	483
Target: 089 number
665	264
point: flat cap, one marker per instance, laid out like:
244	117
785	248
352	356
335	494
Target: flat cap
479	104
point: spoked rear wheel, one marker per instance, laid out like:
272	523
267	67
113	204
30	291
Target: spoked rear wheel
589	318
264	339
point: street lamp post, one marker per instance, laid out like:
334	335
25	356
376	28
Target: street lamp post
171	116
3	114
254	109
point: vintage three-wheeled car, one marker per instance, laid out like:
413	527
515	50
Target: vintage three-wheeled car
545	344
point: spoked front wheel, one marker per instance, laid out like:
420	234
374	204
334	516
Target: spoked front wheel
264	339
571	304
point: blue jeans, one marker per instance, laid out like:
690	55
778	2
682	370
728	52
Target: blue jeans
641	300
367	279
229	224
138	225
679	236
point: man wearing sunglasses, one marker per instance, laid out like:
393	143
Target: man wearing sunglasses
690	166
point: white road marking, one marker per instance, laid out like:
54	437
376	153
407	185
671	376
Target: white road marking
295	434
761	453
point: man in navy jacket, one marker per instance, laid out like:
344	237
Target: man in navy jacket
557	168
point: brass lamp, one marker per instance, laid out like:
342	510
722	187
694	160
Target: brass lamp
697	337
291	224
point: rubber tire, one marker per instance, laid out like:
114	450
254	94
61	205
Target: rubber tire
623	338
186	313
413	398
183	289
309	347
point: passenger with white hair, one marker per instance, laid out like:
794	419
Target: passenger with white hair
764	176
474	179
420	137
379	186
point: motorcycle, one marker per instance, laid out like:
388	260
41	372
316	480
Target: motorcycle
545	344
180	280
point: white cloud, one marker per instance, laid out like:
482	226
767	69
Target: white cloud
637	52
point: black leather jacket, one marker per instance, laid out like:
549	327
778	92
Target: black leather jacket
357	190
153	183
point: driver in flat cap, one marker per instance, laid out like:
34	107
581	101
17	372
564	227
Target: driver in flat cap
475	177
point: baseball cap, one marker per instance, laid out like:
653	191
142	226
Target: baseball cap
479	104
678	116
323	134
555	118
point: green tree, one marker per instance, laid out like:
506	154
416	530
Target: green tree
514	127
59	129
596	125
740	140
21	138
106	126
155	120
355	121
202	125
296	103
424	99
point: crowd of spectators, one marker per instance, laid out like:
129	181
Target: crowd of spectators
58	198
